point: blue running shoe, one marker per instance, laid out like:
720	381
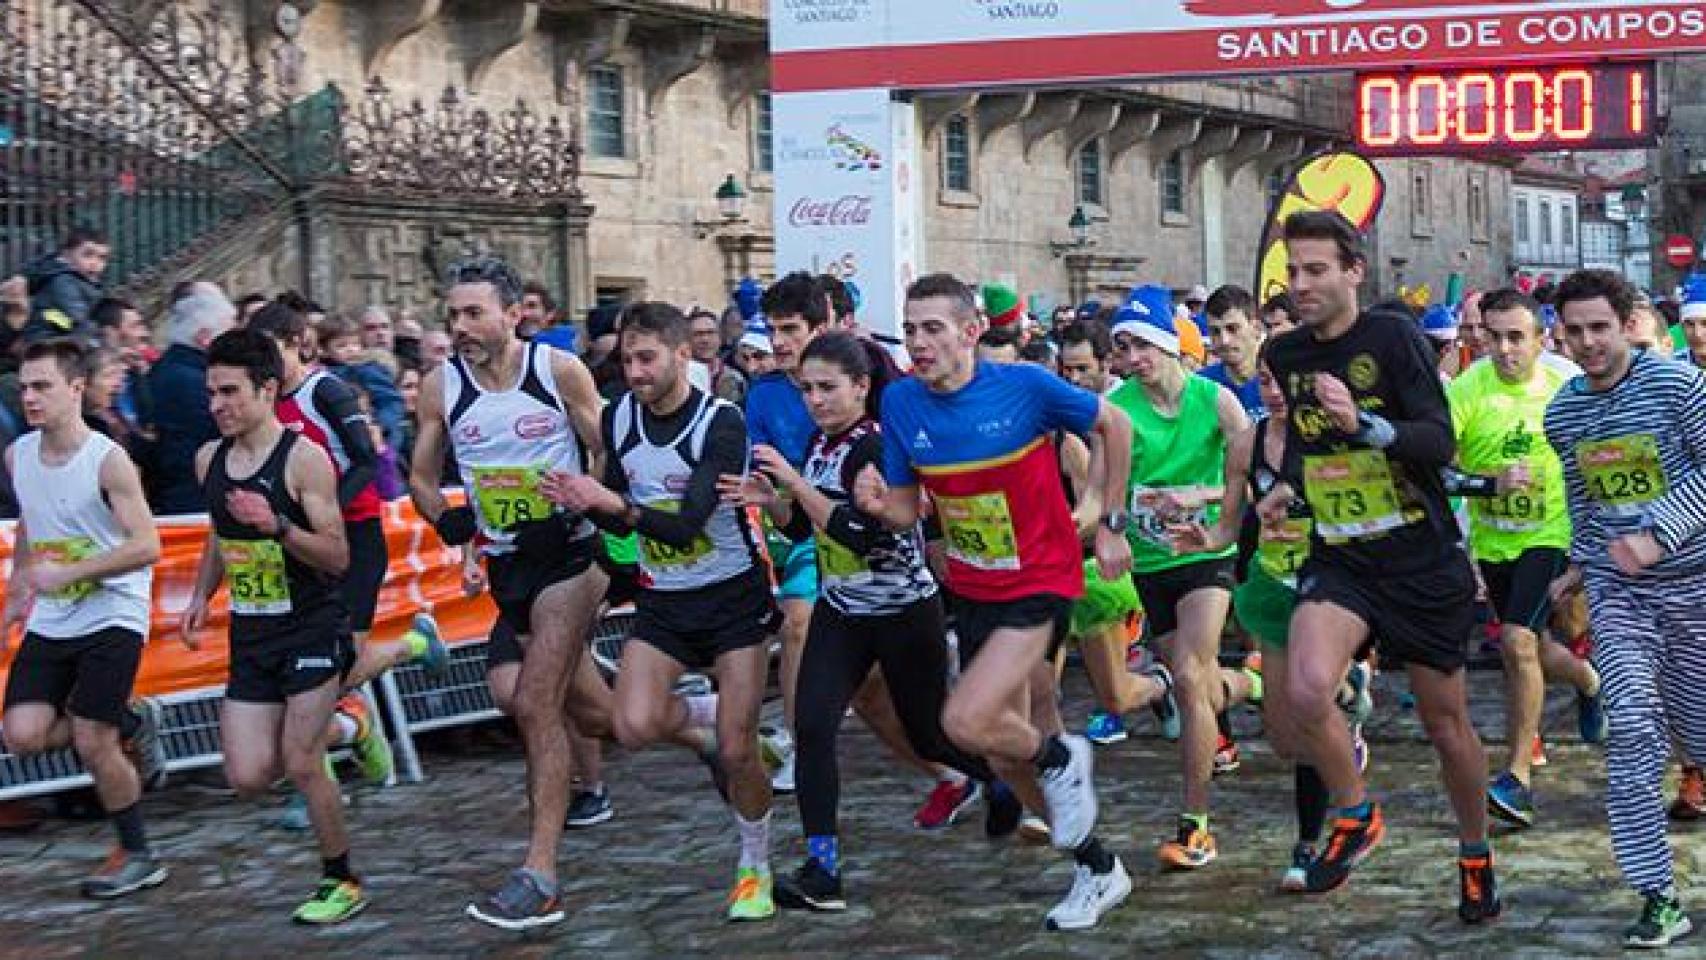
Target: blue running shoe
1510	801
1590	716
1105	728
429	649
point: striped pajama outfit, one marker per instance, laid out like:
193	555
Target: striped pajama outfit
1634	459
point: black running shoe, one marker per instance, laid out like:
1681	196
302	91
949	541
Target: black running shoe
1003	811
811	887
1480	900
1352	840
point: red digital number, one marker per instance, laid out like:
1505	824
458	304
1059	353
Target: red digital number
1382	113
1477	108
1572	105
1637	102
1428	110
1525	107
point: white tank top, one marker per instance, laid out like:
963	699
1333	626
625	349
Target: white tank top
67	518
506	441
657	476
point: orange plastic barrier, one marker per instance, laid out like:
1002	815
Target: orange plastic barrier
423	575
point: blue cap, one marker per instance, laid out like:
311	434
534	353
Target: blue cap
1440	322
1148	316
1548	316
1694	296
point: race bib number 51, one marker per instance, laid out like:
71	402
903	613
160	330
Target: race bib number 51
980	531
255	571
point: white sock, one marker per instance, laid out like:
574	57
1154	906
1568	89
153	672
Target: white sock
754	841
701	710
347	728
950	775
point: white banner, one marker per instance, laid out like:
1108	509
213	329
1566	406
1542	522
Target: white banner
846	194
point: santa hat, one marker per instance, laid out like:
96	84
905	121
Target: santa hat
757	334
1148	316
748	294
1001	305
1694	297
1440	322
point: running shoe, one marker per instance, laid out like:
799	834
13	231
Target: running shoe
1479	900
123	873
1253	670
1071	795
334	901
1166	709
1538	755
776	746
1359	748
945	804
1690	795
1296	877
1104	728
1662	922
1356	697
810	888
372	751
1034	830
589	808
1510	801
1092	895
1193	848
1351	843
1590	716
145	748
294	816
520	904
430	650
1226	757
751	898
1002	811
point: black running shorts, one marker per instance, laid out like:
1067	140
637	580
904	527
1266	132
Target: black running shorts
1520	589
1423	618
87	677
695	627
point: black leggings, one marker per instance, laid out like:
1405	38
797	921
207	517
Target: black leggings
911	647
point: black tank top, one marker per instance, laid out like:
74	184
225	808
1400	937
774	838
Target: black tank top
270	588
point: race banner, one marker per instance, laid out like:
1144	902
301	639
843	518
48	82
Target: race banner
1341	181
423	575
844	44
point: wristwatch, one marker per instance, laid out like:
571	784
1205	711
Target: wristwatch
1117	521
284	525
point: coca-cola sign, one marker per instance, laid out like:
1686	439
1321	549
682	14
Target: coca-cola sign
847	210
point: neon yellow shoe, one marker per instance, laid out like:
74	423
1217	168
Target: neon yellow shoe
334	901
751	898
371	748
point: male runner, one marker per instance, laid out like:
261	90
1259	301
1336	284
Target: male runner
1180	423
1518	530
1631	433
514	412
80	585
1236	336
977	437
1368	434
706	598
277	537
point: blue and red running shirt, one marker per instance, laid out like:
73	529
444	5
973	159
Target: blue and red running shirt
986	456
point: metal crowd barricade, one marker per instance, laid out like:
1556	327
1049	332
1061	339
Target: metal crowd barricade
189	730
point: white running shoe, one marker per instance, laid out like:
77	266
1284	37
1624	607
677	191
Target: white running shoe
776	746
1071	795
1092	895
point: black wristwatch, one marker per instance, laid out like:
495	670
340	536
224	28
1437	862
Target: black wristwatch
1117	521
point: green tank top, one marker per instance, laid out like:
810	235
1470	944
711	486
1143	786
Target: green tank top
1184	450
623	551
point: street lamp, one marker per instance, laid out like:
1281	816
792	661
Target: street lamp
731	206
1080	227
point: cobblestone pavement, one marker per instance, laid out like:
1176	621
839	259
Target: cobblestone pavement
651	882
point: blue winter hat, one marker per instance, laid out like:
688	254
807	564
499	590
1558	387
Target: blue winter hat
748	294
757	334
1148	315
1440	322
1694	296
1548	316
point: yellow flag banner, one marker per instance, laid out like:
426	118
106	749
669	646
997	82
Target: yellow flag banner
1339	180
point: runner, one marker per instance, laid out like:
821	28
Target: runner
80	586
513	412
1368	434
1265	602
706	598
1519	531
977	437
1236	336
879	605
1180	423
324	409
278	538
798	307
1631	433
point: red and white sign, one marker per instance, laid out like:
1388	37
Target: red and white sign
905	44
1680	251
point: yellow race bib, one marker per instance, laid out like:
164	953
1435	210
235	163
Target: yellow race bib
662	556
979	531
1623	474
1352	494
509	496
68	550
255	571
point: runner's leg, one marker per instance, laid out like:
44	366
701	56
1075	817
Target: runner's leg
1324	637
1525	694
1195	650
1442	703
249	740
302	751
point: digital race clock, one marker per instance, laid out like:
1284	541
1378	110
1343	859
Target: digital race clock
1529	109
